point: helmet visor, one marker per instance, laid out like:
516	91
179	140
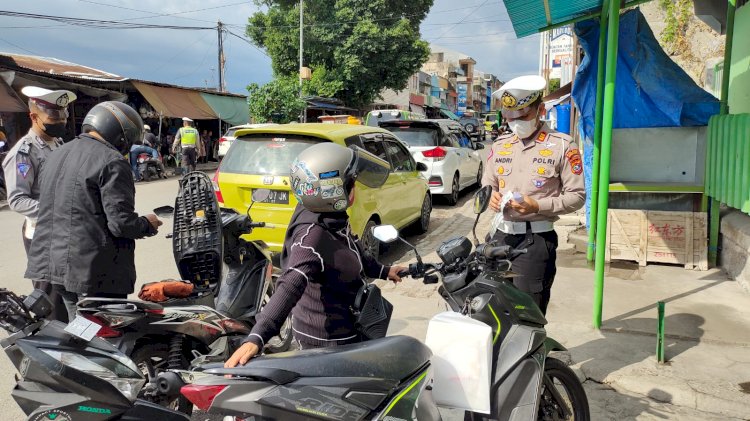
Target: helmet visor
368	169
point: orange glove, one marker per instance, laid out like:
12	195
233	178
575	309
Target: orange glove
161	291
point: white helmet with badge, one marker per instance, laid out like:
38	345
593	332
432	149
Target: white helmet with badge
518	94
54	103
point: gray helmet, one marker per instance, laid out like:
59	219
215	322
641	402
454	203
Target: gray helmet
323	175
117	122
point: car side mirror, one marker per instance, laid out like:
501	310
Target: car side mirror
482	199
164	211
478	146
421	166
385	233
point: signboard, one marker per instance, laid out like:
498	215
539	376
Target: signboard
560	51
461	100
489	95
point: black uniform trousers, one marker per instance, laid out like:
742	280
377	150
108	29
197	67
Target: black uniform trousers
536	268
59	311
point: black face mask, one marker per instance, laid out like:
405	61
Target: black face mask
54	130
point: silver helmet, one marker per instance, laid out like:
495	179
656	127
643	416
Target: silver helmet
323	175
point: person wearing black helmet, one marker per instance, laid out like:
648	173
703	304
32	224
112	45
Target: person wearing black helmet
323	263
84	240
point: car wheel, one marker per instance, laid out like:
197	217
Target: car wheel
369	242
453	196
470	128
424	218
479	175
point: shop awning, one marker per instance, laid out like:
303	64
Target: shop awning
232	109
9	101
530	17
175	102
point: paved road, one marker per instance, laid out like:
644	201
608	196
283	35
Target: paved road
414	303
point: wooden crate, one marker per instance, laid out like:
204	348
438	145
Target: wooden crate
658	236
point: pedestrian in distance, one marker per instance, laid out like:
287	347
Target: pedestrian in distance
187	139
323	263
542	170
48	111
85	237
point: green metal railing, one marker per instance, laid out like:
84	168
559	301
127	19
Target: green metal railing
728	160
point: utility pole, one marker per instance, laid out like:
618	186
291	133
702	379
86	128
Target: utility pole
220	29
301	51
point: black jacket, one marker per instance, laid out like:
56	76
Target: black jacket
85	233
323	264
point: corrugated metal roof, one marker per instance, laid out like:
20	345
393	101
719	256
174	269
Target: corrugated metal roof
57	67
529	17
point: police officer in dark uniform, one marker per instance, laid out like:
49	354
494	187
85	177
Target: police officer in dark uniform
48	111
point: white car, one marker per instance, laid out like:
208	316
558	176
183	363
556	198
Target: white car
453	160
226	141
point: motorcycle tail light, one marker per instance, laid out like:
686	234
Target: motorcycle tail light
202	396
437	154
105	331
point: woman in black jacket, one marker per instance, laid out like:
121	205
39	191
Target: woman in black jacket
323	262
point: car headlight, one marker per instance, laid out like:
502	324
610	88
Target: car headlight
121	376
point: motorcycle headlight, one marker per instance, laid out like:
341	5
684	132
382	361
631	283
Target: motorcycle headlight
121	376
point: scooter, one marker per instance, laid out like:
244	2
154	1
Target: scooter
63	375
209	324
149	167
392	378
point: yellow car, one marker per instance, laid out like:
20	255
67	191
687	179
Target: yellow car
261	157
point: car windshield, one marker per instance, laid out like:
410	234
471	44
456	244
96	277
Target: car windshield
264	154
416	136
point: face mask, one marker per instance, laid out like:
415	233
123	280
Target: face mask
54	130
523	128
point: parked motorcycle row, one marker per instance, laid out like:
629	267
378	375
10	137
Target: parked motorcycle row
125	359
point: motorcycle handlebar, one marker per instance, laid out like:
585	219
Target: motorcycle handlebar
500	252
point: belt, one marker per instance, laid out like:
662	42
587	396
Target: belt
515	228
188	146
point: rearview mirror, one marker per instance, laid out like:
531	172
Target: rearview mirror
164	211
260	195
385	233
482	199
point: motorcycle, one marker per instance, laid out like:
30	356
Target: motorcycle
392	378
209	324
149	167
63	375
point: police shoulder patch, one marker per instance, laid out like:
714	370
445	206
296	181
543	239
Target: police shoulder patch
25	148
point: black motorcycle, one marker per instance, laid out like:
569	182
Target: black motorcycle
232	280
149	168
64	376
392	378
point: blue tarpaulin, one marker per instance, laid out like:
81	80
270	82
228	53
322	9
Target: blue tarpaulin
651	90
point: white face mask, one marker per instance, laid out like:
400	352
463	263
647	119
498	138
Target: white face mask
523	128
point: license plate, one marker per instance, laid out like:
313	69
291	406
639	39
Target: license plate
277	197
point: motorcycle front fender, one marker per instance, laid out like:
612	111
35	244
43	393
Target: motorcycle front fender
552	345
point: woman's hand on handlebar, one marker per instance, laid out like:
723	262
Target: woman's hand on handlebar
396	273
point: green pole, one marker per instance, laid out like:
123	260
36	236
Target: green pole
613	28
714	221
597	131
660	333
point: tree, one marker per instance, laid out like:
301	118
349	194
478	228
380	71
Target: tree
356	48
277	101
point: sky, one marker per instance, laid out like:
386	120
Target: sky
478	28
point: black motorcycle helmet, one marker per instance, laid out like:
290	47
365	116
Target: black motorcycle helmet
116	122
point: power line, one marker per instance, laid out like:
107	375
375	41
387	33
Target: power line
463	19
249	42
100	24
19	47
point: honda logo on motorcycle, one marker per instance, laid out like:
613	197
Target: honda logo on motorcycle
268	180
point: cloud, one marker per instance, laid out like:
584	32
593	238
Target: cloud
483	31
171	56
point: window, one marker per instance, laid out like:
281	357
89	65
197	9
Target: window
376	148
463	139
265	154
401	160
449	140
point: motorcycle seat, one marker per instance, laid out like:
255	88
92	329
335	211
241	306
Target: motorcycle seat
393	358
